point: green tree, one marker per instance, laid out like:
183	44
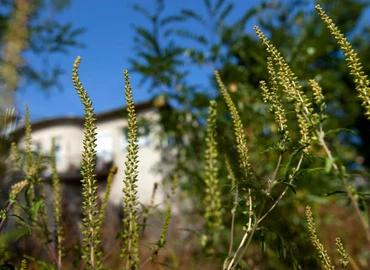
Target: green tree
215	43
28	30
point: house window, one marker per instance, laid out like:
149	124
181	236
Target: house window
124	138
36	147
104	150
143	136
168	140
104	146
57	151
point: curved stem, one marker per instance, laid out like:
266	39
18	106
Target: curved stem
233	221
320	135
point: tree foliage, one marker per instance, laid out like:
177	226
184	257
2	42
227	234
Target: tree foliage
215	39
45	36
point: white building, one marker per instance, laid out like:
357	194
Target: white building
111	149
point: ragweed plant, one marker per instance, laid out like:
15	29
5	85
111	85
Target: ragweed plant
57	209
130	250
273	95
254	196
14	191
356	70
162	239
241	140
31	211
323	254
92	253
108	186
245	166
284	86
24	264
33	167
290	85
148	208
212	201
343	261
231	176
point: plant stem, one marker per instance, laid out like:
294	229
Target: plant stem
233	221
320	135
7	210
249	229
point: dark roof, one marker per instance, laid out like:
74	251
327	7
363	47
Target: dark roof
79	121
74	177
122	111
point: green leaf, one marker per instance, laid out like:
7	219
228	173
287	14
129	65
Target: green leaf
363	207
335	192
35	209
313	170
217	6
225	13
290	160
262	237
364	194
289	185
329	164
44	265
143	11
171	19
337	130
187	34
193	15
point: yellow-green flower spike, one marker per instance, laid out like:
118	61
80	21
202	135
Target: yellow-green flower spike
343	261
130	250
165	226
323	254
353	62
57	208
92	253
149	207
317	92
212	202
24	264
16	189
273	96
290	85
112	172
28	135
241	140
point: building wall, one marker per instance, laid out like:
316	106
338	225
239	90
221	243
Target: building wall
68	138
111	146
148	155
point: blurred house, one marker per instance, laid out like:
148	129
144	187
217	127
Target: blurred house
111	150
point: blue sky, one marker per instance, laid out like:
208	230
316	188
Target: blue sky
109	40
